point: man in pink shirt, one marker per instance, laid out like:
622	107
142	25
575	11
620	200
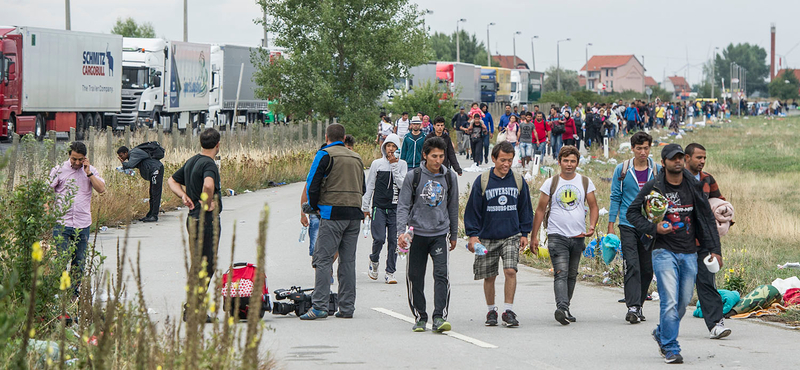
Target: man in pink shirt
75	179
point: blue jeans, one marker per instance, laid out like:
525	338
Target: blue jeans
80	237
557	144
676	274
541	149
313	230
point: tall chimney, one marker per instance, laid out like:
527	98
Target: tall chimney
772	53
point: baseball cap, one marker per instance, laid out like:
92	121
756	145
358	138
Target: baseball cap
462	107
671	150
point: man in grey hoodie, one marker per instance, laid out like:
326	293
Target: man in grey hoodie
429	203
386	176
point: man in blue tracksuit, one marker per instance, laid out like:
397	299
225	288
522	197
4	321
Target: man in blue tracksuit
632	117
499	215
412	144
629	177
489	122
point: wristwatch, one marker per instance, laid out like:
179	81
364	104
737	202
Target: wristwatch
90	174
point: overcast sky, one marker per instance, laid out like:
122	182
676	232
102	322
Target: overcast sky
661	31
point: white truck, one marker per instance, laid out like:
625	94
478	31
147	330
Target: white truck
416	76
164	83
57	80
228	62
520	81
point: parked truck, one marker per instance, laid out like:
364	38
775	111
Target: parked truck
463	78
180	99
535	85
488	85
229	64
520	81
416	76
57	80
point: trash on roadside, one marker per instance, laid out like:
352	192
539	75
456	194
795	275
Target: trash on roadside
792	265
785	284
103	228
146	200
231	192
247	191
46	349
624	146
603	211
612	161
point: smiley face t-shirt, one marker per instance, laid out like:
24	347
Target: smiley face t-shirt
567	211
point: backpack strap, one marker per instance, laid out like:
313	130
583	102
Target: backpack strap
518	180
484	181
414	185
626	165
553	187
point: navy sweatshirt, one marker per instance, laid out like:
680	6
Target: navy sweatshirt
502	212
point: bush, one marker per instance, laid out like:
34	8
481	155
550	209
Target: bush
425	98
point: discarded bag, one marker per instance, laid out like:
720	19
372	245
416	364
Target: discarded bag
729	299
762	297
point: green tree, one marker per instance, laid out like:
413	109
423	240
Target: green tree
785	86
425	98
129	28
753	58
472	50
342	54
569	80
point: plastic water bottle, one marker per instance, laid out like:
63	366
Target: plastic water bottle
408	237
303	233
480	249
366	227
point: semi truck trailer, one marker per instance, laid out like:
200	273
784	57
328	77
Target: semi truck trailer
228	62
58	80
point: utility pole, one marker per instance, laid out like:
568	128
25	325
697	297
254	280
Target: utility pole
533	55
488	51
587	65
185	21
713	75
66	13
558	63
515	47
458	41
265	44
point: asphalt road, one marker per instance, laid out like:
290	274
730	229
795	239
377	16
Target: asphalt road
380	336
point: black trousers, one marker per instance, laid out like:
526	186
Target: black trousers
638	263
207	242
156	187
477	149
437	248
710	300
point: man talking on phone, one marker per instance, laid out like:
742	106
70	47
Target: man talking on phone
75	178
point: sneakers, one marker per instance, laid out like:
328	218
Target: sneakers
491	318
658	341
342	315
641	316
390	278
673	358
719	331
510	319
632	316
561	316
570	317
314	314
440	325
419	326
373	270
150	219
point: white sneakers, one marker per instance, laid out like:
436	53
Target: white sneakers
390	279
373	270
719	331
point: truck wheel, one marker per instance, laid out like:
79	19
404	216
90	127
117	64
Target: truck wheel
114	122
39	129
12	125
79	126
156	120
98	121
88	121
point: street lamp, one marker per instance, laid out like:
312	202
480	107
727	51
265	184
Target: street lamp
713	76
533	55
458	41
488	50
514	38
587	65
427	11
558	62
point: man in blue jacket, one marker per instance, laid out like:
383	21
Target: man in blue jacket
489	122
632	117
412	144
629	177
499	215
504	118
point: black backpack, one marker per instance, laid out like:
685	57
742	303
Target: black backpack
153	149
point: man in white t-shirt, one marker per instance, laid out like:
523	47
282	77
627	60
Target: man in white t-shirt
566	225
401	127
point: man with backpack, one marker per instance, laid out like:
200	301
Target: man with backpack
561	207
429	203
147	158
499	216
629	178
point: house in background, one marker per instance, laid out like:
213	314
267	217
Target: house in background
650	82
507	61
677	85
615	72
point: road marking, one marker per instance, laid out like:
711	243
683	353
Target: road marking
453	334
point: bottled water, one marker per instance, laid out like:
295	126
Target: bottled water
480	249
408	237
367	223
303	233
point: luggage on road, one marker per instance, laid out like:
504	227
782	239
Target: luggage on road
238	288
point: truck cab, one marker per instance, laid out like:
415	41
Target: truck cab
10	86
488	85
142	88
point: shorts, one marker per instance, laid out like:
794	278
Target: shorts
508	248
525	150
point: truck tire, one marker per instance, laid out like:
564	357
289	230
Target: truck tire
80	127
39	129
98	121
156	120
114	122
88	121
12	125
